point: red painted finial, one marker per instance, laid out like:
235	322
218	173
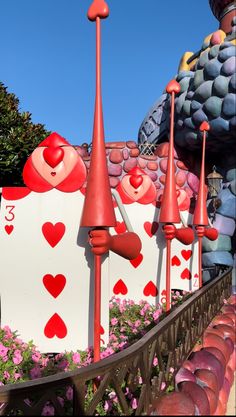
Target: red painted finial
98	8
200	217
169	212
204	126
173	87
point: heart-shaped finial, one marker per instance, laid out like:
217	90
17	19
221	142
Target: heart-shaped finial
53	155
98	8
173	87
204	126
136	180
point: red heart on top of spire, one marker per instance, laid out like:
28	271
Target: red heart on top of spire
173	87
98	8
136	180
204	126
53	156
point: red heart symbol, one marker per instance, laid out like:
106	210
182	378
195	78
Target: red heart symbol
173	87
163	292
136	180
98	8
120	227
53	233
54	285
204	126
186	274
9	228
137	261
186	254
120	288
102	331
150	289
151	228
196	276
55	327
53	156
175	261
211	233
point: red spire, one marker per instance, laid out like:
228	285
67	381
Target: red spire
98	210
200	213
169	211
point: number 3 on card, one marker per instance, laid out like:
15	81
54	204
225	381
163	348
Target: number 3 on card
10	216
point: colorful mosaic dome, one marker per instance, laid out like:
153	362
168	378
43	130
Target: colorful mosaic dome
218	6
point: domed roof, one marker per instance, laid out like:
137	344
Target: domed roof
218	6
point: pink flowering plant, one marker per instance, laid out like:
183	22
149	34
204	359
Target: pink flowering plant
129	321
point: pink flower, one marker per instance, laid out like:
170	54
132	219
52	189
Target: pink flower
36	356
61	401
17	375
17	358
6	375
35	372
114	321
69	393
157	314
44	362
108	405
137	323
76	357
134	403
3	350
48	410
8	331
155	361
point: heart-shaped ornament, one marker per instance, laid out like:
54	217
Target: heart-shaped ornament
151	228
186	254
55	327
173	87
53	156
120	288
98	8
53	233
185	235
136	180
54	285
150	289
204	126
175	261
9	228
136	261
186	274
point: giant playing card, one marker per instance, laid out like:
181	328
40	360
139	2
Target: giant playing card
144	277
47	270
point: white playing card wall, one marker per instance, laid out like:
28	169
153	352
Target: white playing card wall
47	271
47	267
144	277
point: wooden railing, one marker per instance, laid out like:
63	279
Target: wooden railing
131	370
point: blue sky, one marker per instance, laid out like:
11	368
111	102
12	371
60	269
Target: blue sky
48	59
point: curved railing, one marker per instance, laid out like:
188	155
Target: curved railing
169	343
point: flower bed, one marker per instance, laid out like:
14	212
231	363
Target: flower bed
20	361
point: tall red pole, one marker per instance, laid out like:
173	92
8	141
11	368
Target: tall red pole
98	210
200	218
169	211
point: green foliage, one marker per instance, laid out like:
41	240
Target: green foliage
19	136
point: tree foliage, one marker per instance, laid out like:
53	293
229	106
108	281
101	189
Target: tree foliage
19	136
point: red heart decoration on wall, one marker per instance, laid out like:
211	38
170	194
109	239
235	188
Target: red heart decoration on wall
137	261
150	289
186	274
163	292
53	156
54	285
98	8
186	254
55	327
120	227
175	261
53	233
102	331
185	235
151	228
9	228
136	180
120	288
